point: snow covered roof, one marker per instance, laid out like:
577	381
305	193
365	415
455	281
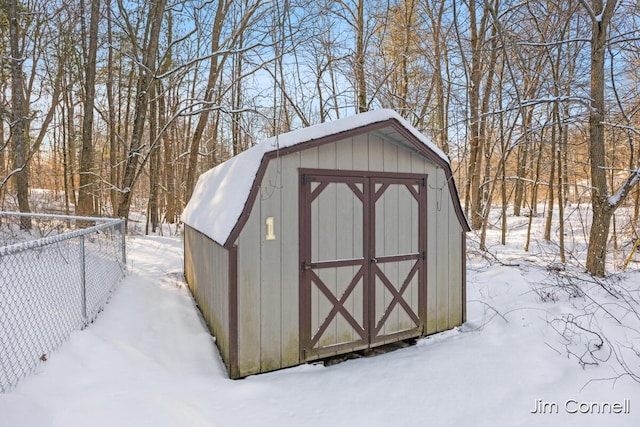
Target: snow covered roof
221	193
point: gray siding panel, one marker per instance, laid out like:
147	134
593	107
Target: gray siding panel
390	158
376	153
327	156
207	273
456	264
270	271
289	262
418	165
249	306
442	255
360	147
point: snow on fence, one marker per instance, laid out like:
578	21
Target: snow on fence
54	279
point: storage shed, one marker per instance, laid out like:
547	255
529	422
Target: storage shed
331	239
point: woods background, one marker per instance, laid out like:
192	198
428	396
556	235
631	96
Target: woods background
114	106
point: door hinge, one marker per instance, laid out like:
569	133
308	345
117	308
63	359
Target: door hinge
306	179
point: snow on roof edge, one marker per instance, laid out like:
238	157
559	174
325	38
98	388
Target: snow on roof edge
221	193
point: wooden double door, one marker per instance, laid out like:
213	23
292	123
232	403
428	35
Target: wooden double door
363	260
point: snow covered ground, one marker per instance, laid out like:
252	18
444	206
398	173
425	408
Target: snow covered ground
149	361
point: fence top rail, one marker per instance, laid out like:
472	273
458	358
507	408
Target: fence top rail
57	216
32	244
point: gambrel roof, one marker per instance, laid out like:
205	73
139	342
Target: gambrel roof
223	195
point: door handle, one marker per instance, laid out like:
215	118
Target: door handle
374	260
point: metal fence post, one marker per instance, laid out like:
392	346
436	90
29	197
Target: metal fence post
83	280
123	231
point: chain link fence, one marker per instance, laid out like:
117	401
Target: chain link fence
55	278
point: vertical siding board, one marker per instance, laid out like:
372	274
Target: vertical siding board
223	294
463	262
249	307
455	270
327	251
360	149
270	276
406	211
327	156
233	364
415	163
415	244
389	157
419	165
345	250
309	158
188	258
289	261
376	153
389	202
391	221
404	160
344	154
208	289
378	242
348	215
442	216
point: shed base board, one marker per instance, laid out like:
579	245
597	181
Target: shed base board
367	352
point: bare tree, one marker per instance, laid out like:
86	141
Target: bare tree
603	203
480	69
148	64
19	114
85	206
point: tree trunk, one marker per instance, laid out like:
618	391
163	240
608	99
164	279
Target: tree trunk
19	117
113	147
636	205
168	166
236	100
523	156
154	162
361	82
534	198
86	191
3	170
602	210
169	169
598	237
476	126
70	147
552	179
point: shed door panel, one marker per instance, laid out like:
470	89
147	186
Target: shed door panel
334	276
398	258
363	272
